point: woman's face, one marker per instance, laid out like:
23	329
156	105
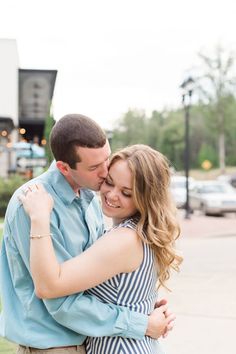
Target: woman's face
116	192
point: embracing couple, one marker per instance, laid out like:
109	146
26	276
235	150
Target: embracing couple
67	284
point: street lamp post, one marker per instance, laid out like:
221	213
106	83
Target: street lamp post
187	87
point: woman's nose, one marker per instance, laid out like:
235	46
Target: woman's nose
112	194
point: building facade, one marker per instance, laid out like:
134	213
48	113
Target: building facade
25	99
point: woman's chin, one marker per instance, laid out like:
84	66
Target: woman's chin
108	213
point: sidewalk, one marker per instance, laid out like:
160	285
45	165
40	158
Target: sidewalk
204	292
204	226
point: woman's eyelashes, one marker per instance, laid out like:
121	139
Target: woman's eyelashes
124	192
109	183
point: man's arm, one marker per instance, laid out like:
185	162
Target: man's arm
88	316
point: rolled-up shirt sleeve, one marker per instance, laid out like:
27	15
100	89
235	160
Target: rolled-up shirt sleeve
87	315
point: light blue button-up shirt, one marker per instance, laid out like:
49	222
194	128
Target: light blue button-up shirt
75	223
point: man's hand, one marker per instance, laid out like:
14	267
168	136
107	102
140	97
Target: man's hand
160	321
160	303
169	315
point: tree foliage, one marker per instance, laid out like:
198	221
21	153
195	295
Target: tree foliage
164	131
131	130
212	120
217	84
49	123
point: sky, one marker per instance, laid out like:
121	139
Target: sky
113	56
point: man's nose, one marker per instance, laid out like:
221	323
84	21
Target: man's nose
103	170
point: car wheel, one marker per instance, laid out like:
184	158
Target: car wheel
203	209
191	210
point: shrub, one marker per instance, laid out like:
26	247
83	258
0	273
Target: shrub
7	188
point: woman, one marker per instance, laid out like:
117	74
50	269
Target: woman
124	265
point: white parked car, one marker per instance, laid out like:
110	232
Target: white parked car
178	189
231	179
213	198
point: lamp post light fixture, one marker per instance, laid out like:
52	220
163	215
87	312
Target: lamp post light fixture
187	90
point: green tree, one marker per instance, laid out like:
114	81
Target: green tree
49	123
172	138
154	128
216	85
207	152
131	129
230	140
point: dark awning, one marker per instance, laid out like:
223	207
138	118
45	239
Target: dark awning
7	124
35	94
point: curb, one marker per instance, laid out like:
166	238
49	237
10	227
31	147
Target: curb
211	235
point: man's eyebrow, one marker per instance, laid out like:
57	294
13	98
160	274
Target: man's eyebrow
98	163
94	165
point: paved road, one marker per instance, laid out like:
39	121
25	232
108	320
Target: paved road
204	293
204	226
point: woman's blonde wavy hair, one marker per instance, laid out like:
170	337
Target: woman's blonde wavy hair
157	212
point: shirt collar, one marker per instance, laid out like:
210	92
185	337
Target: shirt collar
63	189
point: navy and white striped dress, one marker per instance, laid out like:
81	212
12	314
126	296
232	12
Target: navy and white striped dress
136	290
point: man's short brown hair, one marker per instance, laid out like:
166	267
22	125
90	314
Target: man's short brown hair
71	131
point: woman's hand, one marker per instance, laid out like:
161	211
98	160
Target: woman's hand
36	201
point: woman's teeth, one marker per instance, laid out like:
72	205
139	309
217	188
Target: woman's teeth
111	205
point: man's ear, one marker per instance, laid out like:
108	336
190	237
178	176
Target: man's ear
63	167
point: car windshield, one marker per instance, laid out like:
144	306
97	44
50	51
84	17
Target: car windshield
178	184
215	188
181	183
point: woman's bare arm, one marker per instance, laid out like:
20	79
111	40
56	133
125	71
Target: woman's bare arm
116	252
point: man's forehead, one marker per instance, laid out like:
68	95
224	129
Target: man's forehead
93	156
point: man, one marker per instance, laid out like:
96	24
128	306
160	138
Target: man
82	152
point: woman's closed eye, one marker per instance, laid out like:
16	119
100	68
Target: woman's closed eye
126	194
108	182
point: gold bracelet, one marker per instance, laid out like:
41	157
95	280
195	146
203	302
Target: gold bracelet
40	236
